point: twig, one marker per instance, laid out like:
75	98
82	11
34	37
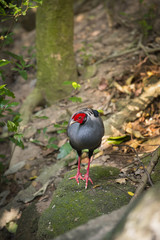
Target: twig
135	50
109	100
138	158
153	162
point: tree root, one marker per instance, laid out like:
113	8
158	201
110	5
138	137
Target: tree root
34	99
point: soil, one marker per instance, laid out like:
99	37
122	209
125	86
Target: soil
94	41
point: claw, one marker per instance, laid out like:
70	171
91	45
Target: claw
77	176
87	178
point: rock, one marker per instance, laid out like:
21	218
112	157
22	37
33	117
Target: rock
90	71
142	220
13	169
73	206
95	229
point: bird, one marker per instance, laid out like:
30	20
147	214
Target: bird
85	131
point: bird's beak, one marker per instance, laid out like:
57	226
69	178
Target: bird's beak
71	122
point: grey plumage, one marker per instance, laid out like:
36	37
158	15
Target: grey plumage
85	131
87	135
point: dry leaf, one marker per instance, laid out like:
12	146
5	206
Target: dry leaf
34	172
62	142
47	151
95	186
98	154
34	183
27	166
134	133
84	160
103	84
121	180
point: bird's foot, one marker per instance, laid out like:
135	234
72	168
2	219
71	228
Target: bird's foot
77	176
87	178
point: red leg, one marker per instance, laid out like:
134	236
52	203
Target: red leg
86	176
79	174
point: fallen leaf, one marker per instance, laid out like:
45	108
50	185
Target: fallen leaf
131	194
103	84
34	172
84	160
133	132
32	178
98	154
95	186
62	142
47	151
121	180
34	183
27	166
129	80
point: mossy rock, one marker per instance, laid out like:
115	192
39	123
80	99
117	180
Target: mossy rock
73	205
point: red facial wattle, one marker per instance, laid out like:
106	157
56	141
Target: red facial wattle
80	118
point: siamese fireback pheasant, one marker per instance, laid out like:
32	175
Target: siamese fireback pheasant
85	131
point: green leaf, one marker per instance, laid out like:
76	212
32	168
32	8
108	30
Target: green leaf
57	125
75	85
13	104
75	99
2	86
64	150
61	131
4	62
2	156
67	82
44	130
24	74
6	91
41	117
35	141
52	145
18	137
15	56
52	139
65	123
11	126
118	140
17	142
2	75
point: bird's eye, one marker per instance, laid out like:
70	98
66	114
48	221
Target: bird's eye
80	118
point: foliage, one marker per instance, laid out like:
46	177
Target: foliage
146	20
9	118
64	150
20	63
76	86
6	110
16	9
118	140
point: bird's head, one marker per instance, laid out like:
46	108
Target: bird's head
79	118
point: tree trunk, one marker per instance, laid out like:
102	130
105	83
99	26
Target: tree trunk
54	44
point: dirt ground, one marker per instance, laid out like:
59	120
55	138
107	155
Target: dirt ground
108	80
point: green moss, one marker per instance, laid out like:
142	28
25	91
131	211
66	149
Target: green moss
72	205
156	173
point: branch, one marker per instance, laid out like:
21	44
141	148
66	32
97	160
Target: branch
135	51
152	164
